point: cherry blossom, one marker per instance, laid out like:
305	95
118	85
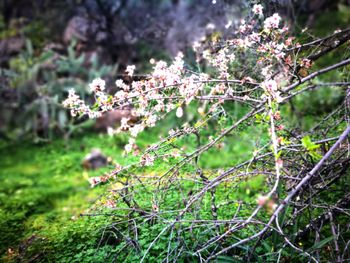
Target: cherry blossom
94	181
179	112
134	131
172	85
269	85
130	70
257	9
262	200
128	147
272	22
147	160
97	85
110	204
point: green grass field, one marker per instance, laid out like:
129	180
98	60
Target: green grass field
44	190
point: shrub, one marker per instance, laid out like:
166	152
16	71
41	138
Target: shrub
277	201
35	85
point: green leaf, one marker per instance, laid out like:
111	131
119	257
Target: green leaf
316	156
311	147
306	141
29	47
45	56
278	155
308	144
321	243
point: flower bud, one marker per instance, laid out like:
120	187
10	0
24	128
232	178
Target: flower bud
179	112
262	199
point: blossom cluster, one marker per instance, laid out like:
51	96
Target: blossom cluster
172	86
272	22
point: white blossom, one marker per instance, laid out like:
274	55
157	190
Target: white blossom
130	70
179	112
97	85
272	21
258	9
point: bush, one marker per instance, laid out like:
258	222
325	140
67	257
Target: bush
265	208
35	85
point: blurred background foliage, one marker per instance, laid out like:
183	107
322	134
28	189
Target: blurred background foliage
41	57
47	47
38	83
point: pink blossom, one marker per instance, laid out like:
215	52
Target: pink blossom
269	85
171	132
119	83
130	70
72	99
134	131
147	159
272	21
94	181
262	199
280	128
254	37
124	123
219	89
279	163
206	54
307	63
97	85
111	131
257	9
121	95
110	204
196	46
151	120
94	114
128	148
160	106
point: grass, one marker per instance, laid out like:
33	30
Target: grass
44	190
43	186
